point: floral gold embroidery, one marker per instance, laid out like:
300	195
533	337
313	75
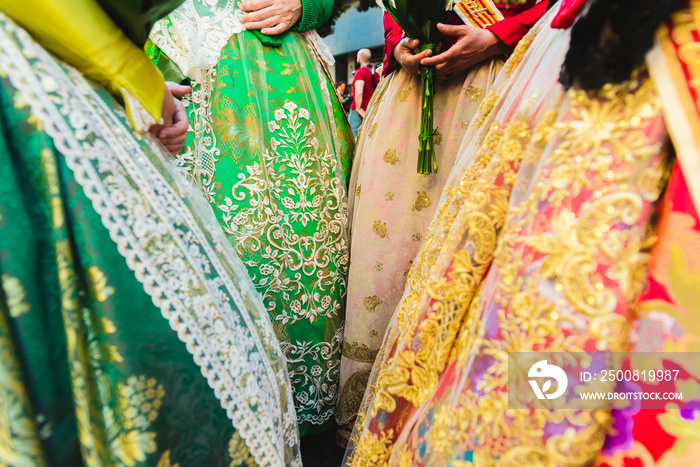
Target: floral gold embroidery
390	157
422	201
373	450
164	460
379	228
372	130
371	303
15	296
519	53
239	452
474	93
389	196
563	274
359	352
99	284
485	109
406	93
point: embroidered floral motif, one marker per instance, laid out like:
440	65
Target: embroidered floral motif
15	296
406	93
379	228
281	147
372	130
390	157
321	379
564	259
422	201
371	303
474	93
265	234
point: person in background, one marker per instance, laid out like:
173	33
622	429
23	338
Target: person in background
341	89
130	334
363	85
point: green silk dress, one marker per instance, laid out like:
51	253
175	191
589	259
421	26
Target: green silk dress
270	148
130	334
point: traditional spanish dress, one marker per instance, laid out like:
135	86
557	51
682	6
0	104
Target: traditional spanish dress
390	203
270	148
541	243
130	334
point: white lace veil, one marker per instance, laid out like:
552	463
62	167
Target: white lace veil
192	36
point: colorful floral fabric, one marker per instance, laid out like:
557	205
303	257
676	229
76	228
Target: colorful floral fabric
668	321
540	243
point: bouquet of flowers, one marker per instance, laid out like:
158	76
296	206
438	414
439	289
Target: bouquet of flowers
419	19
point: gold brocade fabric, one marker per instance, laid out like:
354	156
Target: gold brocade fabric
540	241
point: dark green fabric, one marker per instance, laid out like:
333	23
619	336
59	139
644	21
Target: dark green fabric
80	340
314	14
136	17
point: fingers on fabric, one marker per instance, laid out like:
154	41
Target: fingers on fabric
178	90
271	18
258	16
179	124
175	149
266	23
279	29
255	5
173	137
166	112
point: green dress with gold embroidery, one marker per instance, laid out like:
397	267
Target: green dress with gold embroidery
270	147
130	334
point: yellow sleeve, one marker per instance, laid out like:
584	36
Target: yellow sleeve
81	33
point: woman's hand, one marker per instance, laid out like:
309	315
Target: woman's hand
173	131
271	17
473	46
405	56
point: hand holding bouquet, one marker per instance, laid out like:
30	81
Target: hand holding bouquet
419	20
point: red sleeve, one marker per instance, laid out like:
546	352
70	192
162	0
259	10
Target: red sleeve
511	30
392	36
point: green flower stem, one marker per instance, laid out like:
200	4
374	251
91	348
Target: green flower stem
427	162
